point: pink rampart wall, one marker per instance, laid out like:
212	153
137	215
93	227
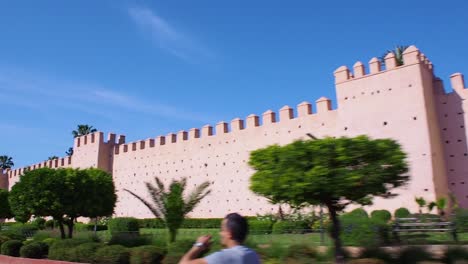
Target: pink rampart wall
406	103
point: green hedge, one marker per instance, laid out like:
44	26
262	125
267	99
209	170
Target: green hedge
260	226
11	248
84	253
35	250
115	254
123	224
188	223
62	249
39	223
4	239
461	220
284	227
358	212
146	255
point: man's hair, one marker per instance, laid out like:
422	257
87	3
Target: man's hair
238	226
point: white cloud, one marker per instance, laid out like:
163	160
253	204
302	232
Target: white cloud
166	36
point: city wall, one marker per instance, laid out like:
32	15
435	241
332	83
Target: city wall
406	103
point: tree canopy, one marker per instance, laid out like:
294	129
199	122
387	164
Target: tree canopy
63	194
6	162
333	172
5	211
82	130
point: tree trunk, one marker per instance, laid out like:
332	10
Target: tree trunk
95	226
172	235
335	233
70	227
280	213
62	230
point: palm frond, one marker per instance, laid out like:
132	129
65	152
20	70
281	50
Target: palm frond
196	196
153	209
158	197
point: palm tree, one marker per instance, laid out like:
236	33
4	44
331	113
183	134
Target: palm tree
398	51
421	203
69	152
441	204
83	130
6	162
52	157
170	205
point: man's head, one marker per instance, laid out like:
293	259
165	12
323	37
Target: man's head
234	229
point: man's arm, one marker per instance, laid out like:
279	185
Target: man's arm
191	256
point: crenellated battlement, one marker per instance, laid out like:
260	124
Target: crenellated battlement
457	81
411	56
98	138
236	125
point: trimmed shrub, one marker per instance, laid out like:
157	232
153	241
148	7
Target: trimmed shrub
146	255
11	248
411	255
358	212
461	219
49	241
115	254
35	250
90	227
151	223
359	231
260	226
123	224
39	223
202	223
376	253
285	227
84	253
130	239
401	213
366	261
454	254
3	239
61	249
383	215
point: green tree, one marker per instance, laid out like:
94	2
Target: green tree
330	172
5	211
398	51
6	162
82	130
170	205
64	194
441	204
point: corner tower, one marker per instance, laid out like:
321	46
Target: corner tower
398	102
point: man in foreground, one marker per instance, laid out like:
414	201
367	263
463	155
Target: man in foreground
234	230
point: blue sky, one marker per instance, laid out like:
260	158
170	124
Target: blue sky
147	68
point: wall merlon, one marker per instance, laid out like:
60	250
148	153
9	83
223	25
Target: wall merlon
359	69
141	144
252	121
182	135
457	81
342	74
412	55
149	143
304	109
171	138
207	130
375	66
160	140
124	148
221	128
111	138
269	117
323	105
121	139
134	146
194	133
237	124
390	61
286	113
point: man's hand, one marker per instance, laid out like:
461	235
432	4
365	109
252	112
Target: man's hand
205	240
